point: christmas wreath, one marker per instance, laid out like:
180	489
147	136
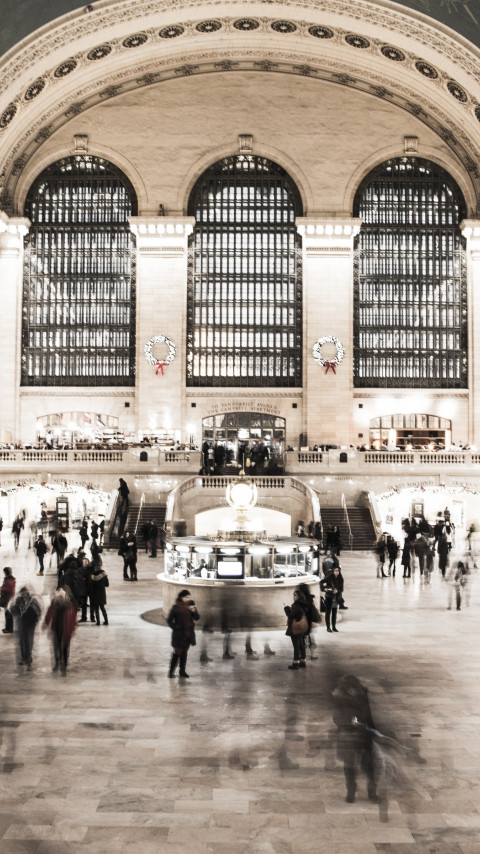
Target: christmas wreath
159	364
328	364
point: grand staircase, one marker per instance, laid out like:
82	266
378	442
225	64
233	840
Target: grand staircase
361	525
149	513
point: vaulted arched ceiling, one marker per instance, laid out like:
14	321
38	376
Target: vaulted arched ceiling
21	19
383	48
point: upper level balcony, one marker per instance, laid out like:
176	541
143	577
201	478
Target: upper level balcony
137	460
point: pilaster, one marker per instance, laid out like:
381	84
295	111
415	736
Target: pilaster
162	249
12	232
328	299
471	231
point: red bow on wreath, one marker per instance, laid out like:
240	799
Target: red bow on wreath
160	366
331	365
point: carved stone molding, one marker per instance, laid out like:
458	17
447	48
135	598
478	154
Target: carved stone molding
410	145
222	395
245	143
12	232
471	231
360	394
80	141
59	391
162	234
327	235
321	52
430	112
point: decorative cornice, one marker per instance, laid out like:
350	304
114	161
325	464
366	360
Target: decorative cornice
470	228
149	27
162	226
58	391
243	394
18	226
12	232
163	235
411	392
328	235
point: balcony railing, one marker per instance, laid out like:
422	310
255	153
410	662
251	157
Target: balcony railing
143	460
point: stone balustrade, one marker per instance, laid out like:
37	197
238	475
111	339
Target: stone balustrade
135	459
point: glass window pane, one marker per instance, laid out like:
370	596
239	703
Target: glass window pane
244	305
410	301
79	285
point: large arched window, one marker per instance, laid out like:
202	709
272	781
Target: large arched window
410	300
79	288
244	305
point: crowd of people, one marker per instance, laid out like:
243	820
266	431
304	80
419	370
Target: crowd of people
257	457
80	593
424	546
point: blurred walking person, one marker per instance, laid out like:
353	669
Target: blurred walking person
27	609
61	618
7	593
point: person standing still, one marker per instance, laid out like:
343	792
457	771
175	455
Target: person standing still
181	619
153	538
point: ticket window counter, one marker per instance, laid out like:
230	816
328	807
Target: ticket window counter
239	561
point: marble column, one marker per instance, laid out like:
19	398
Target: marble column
162	244
471	231
328	307
12	232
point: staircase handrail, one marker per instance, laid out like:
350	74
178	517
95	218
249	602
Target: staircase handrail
347	520
375	513
142	502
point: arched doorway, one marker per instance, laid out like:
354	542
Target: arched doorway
250	440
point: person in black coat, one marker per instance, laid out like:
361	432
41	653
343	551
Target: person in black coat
128	550
76	580
153	538
392	549
59	547
353	718
41	549
181	619
83	532
332	586
295	612
98	594
146	532
407	558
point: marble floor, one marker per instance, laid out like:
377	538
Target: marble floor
239	759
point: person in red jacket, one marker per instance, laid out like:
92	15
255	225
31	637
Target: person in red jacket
61	619
7	592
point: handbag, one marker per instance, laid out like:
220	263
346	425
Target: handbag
323	606
299	627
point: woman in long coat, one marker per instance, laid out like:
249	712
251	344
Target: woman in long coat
294	613
98	594
181	619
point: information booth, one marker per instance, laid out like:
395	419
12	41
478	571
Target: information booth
239	583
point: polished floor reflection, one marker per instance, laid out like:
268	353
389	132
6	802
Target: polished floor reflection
240	758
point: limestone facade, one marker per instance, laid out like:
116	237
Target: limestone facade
163	91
